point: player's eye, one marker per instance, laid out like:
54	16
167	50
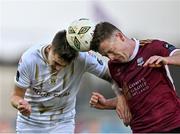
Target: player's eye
55	63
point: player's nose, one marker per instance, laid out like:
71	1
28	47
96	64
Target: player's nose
58	68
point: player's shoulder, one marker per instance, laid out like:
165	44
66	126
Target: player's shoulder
89	54
31	54
157	46
148	43
92	58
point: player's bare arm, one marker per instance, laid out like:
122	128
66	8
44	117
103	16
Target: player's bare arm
119	103
174	59
122	107
157	61
123	110
18	102
98	101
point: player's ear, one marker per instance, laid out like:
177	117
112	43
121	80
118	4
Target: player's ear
49	47
120	36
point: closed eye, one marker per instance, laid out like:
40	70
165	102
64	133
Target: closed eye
57	64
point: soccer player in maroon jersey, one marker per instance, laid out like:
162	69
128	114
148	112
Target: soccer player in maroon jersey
141	72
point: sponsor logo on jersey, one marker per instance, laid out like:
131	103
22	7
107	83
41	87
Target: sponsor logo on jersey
47	94
118	72
138	87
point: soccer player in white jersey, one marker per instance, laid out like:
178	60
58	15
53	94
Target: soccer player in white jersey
46	85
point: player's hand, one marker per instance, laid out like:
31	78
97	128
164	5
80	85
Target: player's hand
97	101
24	107
156	61
143	42
123	110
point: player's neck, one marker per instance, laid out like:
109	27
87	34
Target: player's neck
131	47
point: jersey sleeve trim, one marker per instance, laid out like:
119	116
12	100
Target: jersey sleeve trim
174	52
169	75
19	84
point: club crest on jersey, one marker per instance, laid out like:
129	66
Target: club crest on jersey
118	72
53	80
140	61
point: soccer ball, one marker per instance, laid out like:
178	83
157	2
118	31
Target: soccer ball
80	33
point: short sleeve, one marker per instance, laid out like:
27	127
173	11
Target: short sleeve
163	48
95	64
22	78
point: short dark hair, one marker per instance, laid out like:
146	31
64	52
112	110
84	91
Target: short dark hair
103	30
62	48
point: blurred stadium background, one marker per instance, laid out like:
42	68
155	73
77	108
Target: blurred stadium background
25	23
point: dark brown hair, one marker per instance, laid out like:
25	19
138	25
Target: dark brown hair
103	30
62	48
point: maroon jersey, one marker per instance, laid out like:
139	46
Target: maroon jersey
152	99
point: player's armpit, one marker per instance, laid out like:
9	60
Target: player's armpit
115	88
107	76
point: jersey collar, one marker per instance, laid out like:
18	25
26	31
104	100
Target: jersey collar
42	52
135	50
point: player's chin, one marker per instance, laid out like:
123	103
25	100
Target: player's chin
121	60
54	69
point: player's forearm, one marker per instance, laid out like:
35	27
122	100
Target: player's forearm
111	103
174	59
